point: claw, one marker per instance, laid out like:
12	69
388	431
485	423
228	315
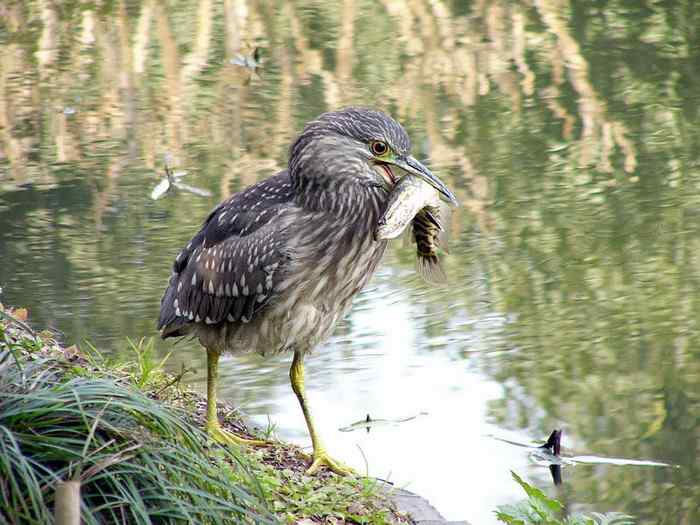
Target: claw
224	437
321	458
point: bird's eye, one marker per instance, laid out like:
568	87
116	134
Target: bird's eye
378	148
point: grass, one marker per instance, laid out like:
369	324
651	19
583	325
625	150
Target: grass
137	461
539	509
146	364
130	433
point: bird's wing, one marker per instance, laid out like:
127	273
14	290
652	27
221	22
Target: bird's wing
228	271
228	281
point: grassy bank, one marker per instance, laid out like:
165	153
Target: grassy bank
131	435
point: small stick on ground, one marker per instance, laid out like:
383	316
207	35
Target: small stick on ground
67	510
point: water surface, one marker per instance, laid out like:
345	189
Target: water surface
570	133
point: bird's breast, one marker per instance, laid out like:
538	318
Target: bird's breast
333	259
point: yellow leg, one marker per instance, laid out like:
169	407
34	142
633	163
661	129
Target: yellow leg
320	457
214	430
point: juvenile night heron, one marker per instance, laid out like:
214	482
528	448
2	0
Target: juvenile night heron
275	266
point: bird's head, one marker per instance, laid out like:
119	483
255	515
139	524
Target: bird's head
344	153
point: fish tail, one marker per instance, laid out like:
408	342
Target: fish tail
441	239
430	269
428	264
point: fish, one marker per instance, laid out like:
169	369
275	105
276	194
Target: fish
427	231
409	196
416	202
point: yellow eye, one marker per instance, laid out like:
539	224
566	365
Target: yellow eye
378	148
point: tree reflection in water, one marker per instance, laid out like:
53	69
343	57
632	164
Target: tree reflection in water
570	129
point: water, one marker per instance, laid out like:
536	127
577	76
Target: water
570	132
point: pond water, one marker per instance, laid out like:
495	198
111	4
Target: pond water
570	133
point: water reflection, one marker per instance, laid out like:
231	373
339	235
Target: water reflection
400	372
570	131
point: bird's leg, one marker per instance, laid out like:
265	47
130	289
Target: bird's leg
320	456
214	429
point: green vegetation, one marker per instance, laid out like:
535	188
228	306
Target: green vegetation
538	509
132	437
570	130
136	459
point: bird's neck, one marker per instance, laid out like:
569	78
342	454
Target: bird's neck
348	201
326	180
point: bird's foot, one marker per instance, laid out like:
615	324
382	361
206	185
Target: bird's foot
321	458
224	437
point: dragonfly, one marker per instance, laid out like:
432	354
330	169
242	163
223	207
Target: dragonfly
252	62
550	454
172	180
369	423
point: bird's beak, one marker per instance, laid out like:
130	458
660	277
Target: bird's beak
414	167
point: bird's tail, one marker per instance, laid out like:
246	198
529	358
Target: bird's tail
170	324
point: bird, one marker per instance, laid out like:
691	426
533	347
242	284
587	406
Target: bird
275	266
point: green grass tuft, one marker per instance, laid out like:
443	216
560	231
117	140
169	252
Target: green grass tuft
539	509
137	460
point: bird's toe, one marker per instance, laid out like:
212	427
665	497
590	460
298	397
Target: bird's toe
224	437
322	459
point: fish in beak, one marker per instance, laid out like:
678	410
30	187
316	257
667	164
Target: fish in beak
416	168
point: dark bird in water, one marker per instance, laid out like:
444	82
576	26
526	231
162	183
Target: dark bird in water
553	446
553	443
275	267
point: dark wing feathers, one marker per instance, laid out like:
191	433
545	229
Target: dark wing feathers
228	271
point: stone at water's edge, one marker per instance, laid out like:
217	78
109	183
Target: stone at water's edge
422	512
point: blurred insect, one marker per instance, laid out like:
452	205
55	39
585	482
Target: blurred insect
172	180
416	202
252	62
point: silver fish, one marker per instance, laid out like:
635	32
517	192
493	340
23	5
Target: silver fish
408	197
416	202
